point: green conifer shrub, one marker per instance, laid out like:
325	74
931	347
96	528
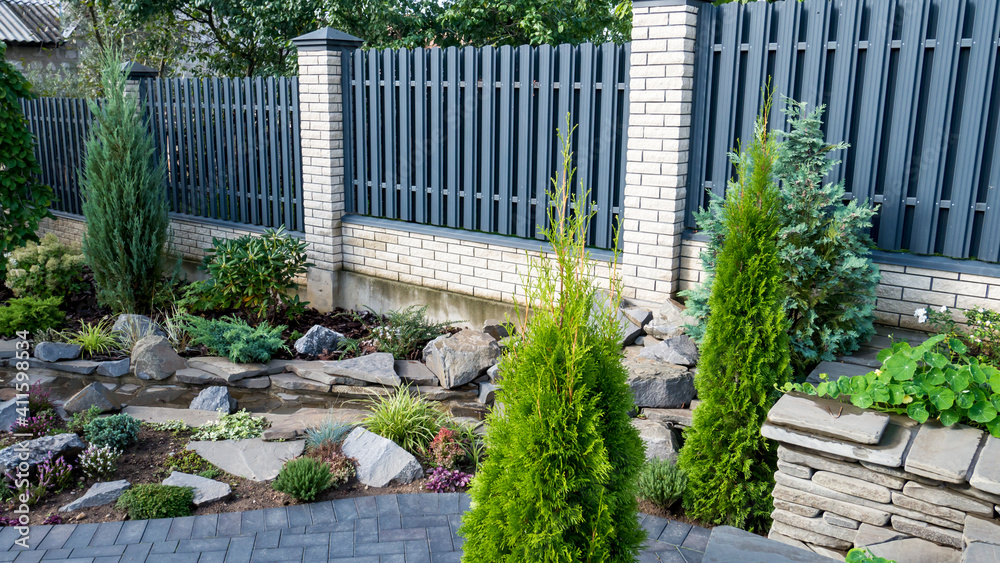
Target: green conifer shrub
823	249
23	200
123	200
744	354
558	483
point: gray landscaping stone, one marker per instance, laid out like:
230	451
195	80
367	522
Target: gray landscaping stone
915	550
191	418
230	371
852	486
493	373
669	321
196	376
800	471
487	392
497	329
828	417
844	505
154	358
295	425
872	535
436	393
214	399
206	491
93	395
944	453
461	357
679	350
252	458
842	521
114	368
980	553
659	384
291	382
99	494
318	340
35	451
356	392
259	382
981	530
965	490
8	348
888	452
312	371
815	525
661	442
807	536
8	414
414	371
677	417
851	469
374	368
927	531
56	351
729	545
140	325
941	496
639	316
795	508
379	460
82	367
986	475
899	473
772	535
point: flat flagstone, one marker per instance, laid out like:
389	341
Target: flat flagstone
374	368
8	348
888	452
986	475
828	417
291	382
947	497
98	494
312	371
81	367
943	452
206	491
197	376
415	372
189	417
230	371
728	544
114	368
252	458
295	425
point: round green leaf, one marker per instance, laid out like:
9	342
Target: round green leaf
994	427
982	412
900	367
918	412
950	417
941	397
862	400
965	399
937	360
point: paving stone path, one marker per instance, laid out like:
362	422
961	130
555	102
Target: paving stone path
409	528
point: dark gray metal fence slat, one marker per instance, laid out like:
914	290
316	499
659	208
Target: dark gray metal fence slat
230	141
177	143
420	133
487	139
361	168
785	62
470	93
937	116
901	130
374	124
80	147
262	163
389	132
989	248
405	138
726	109
252	162
606	149
505	161
619	195
436	156
525	78
838	115
543	142
296	115
187	127
197	124
701	104
273	190
240	194
65	156
218	167
585	133
566	69
874	93
972	131
815	56
756	65
452	138
286	139
45	137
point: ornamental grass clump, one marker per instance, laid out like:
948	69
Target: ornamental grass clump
744	356
405	417
558	483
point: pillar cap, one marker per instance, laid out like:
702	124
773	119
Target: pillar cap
326	39
657	3
134	71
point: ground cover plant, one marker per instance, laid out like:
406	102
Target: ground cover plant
235	339
828	278
744	355
558	483
236	426
117	431
30	314
152	500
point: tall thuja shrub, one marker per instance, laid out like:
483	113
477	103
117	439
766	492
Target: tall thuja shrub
123	199
23	201
745	353
559	481
827	271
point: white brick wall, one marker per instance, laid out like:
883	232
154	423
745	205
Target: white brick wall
661	75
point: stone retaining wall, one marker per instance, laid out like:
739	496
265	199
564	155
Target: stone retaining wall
849	477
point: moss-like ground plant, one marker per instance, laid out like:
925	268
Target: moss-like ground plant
151	500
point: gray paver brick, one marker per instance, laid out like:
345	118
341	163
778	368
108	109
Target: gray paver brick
229	524
277	554
367	559
674	533
57	537
165	546
212	557
304	540
387	505
322	513
136	553
366	507
440	540
389	522
275	518
379	548
56	553
205	526
314	553
437	520
394	558
253	522
156	530
403	534
106	533
131	532
181	528
697	539
108	559
691	556
267	539
448	503
447	557
365	531
240	550
31	556
174	558
203	544
332	527
98	551
342	544
298	515
654	526
81	536
345	509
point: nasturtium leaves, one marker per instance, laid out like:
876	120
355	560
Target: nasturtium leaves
918	412
965	399
950	417
941	397
884	354
901	367
982	412
957	346
879	393
896	394
935	376
937	360
862	400
978	375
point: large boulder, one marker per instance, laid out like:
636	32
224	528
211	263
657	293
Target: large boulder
659	385
137	325
154	358
669	320
380	461
373	368
461	357
56	351
661	442
318	340
93	395
679	350
206	491
214	399
98	495
36	451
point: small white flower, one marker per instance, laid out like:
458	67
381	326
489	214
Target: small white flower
943	309
920	312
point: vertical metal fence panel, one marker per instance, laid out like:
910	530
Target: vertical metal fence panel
474	133
909	83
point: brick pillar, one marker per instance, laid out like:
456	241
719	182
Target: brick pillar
661	90
322	54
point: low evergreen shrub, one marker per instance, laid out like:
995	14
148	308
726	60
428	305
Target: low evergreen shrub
661	482
405	417
235	339
744	355
150	500
30	314
117	431
403	332
303	478
45	269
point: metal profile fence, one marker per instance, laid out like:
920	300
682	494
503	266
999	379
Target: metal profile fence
468	137
229	146
912	85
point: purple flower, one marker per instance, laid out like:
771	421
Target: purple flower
447	481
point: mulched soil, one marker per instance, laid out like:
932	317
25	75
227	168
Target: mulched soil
143	463
676	513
